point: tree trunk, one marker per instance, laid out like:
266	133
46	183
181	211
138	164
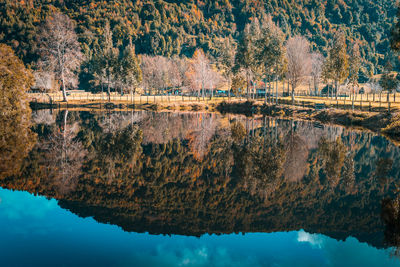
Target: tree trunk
63	87
265	93
292	95
247	86
336	89
108	90
276	90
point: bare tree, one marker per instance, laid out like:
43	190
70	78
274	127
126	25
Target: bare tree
157	73
298	60
64	156
44	81
59	49
200	72
317	63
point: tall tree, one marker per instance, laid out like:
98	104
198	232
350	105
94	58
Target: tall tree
317	62
106	60
59	50
337	63
226	61
354	68
388	81
395	37
200	72
298	61
271	52
130	72
245	59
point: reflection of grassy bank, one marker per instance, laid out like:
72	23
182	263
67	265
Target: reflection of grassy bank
386	123
117	105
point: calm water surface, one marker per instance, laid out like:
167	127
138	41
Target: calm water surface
192	189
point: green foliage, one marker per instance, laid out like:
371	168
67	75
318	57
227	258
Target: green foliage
336	65
354	64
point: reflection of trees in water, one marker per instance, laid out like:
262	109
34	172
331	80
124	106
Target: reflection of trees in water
390	215
64	156
43	116
16	140
383	168
295	165
112	122
115	152
200	135
249	177
259	165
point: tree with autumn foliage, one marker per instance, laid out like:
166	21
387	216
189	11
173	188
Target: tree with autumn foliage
16	138
200	73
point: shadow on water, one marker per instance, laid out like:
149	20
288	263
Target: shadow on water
194	173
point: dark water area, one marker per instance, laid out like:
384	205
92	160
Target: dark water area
142	188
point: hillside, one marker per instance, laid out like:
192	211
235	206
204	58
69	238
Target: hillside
179	27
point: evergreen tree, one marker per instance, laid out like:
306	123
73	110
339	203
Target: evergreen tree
337	64
106	60
130	73
354	68
270	52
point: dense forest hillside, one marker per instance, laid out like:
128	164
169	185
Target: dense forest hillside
179	27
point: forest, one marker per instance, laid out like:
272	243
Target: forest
116	44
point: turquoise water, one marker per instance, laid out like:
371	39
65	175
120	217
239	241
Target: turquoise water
48	235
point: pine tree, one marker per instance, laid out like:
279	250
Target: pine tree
337	64
130	72
354	68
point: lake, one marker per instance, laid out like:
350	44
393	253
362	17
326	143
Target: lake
140	188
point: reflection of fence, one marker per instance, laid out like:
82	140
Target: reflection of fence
365	102
87	97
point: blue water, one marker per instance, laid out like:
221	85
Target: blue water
35	231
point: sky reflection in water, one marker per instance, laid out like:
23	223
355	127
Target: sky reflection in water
48	235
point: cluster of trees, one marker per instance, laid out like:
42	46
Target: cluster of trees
172	75
108	31
263	53
178	28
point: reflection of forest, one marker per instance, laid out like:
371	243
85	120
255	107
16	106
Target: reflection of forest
199	173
